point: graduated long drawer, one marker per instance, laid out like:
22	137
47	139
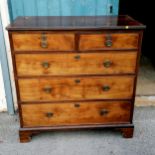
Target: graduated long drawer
76	64
75	113
76	88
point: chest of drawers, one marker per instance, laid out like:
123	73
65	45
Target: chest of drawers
75	72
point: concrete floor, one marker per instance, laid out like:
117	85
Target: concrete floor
146	78
88	142
145	94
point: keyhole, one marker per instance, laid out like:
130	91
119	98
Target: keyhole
111	9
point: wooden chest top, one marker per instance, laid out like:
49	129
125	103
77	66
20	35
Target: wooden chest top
75	23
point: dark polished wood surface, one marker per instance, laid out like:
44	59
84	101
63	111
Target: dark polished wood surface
51	37
75	23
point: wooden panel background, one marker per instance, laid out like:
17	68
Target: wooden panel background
62	7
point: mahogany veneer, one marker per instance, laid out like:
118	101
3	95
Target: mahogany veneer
75	72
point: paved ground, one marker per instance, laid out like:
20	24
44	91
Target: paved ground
88	142
146	84
146	78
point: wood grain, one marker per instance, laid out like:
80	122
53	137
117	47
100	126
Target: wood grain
119	41
32	41
69	114
75	88
75	64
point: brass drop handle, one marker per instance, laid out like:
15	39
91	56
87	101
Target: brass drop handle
47	89
77	57
77	81
43	37
104	112
44	43
108	41
107	63
49	114
77	105
105	88
45	64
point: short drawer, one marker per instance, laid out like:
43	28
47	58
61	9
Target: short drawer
109	41
59	114
76	64
43	41
80	88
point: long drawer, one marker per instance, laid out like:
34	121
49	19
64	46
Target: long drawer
76	88
75	113
37	41
109	41
76	64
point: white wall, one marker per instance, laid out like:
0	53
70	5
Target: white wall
3	106
5	21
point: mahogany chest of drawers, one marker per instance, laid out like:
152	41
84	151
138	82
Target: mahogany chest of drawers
75	72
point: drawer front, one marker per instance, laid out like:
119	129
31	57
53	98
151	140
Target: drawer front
75	113
70	88
43	42
109	41
75	64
